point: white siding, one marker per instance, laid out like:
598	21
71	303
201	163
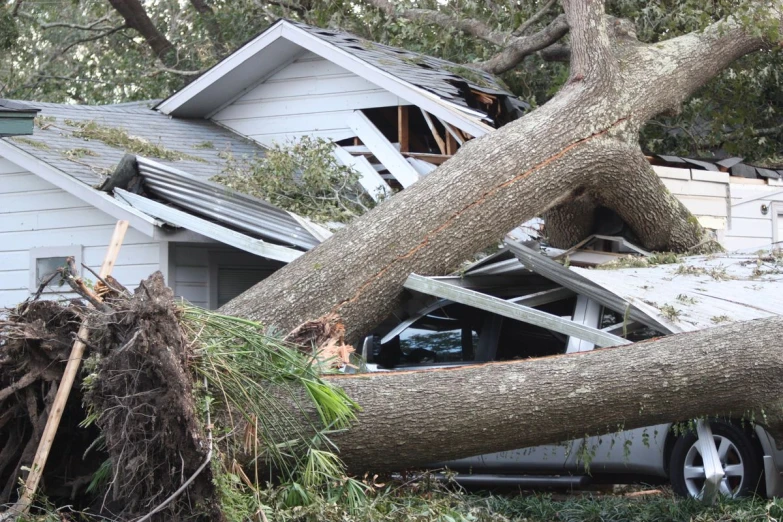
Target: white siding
190	273
750	227
194	269
310	96
705	194
35	214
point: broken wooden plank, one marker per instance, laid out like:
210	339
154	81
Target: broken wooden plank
435	159
369	179
515	311
434	131
383	149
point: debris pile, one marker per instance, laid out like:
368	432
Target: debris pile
158	379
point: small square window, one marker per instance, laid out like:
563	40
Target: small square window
45	267
45	261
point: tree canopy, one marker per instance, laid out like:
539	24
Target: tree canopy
85	51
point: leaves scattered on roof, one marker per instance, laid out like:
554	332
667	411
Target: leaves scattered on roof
79	153
31	142
302	177
633	261
118	137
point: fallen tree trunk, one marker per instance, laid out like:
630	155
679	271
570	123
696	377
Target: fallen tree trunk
581	146
412	418
141	390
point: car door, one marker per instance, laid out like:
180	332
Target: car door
638	452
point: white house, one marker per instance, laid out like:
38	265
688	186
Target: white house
392	114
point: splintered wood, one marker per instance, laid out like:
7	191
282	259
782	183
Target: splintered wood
326	336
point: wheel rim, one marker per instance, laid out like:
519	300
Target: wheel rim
730	460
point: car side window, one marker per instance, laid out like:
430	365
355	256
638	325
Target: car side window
421	345
447	335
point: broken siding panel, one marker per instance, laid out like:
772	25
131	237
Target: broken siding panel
307	97
46	216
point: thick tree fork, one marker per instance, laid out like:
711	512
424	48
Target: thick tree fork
584	139
481	200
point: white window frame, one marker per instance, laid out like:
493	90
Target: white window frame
74	251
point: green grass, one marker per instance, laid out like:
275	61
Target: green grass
420	502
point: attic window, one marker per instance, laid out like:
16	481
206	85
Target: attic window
44	262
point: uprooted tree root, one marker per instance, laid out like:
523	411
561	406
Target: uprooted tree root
35	340
156	376
138	393
141	396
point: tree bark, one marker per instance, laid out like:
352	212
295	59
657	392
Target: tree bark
583	140
412	418
136	17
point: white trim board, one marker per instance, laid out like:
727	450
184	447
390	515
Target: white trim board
515	311
369	179
465	119
383	149
100	200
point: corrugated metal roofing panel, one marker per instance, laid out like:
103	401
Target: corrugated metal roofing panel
223	205
579	284
701	291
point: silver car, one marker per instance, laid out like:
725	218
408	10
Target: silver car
454	334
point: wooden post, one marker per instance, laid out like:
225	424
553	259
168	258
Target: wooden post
435	134
451	144
402	128
64	390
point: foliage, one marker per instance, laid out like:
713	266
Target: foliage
102	62
303	177
119	138
250	377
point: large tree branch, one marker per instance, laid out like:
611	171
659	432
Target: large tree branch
682	65
469	26
591	51
520	47
136	18
207	15
514	46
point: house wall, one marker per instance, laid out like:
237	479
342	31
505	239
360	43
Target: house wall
750	226
36	214
204	273
731	206
310	95
705	194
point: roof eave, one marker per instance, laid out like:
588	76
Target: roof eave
467	120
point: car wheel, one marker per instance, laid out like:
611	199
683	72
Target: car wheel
738	455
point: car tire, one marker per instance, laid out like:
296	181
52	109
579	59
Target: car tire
740	459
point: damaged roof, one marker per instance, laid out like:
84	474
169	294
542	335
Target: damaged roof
699	291
90	154
455	93
447	80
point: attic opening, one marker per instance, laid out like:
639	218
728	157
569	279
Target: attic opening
417	138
